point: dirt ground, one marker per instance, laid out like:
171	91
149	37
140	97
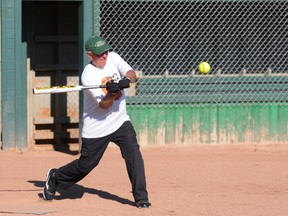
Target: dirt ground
194	181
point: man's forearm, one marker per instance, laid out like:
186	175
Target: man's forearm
131	75
107	101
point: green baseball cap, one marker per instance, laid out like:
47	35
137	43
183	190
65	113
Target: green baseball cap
97	45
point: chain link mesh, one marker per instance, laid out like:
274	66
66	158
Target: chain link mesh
245	42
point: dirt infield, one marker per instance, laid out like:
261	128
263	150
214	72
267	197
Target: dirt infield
181	181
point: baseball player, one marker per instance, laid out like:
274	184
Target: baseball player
104	120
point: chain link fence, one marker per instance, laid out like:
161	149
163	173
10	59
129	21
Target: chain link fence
244	41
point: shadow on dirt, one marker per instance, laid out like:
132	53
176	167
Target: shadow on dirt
77	192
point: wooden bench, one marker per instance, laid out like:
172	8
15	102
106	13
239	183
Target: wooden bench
210	89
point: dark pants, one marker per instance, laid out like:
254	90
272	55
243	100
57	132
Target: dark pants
92	151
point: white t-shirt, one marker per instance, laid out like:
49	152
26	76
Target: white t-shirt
98	122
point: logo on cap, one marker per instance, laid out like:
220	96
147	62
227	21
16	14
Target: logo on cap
99	43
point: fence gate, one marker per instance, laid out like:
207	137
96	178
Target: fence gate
52	34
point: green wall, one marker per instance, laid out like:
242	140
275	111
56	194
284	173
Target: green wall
13	77
210	124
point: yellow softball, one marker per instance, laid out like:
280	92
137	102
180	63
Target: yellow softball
204	67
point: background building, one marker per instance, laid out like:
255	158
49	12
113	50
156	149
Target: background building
243	100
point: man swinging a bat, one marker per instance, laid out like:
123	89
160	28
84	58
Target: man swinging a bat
105	120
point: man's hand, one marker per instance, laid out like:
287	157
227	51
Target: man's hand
112	87
124	83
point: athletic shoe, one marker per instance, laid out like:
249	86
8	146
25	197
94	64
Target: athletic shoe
143	203
50	185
